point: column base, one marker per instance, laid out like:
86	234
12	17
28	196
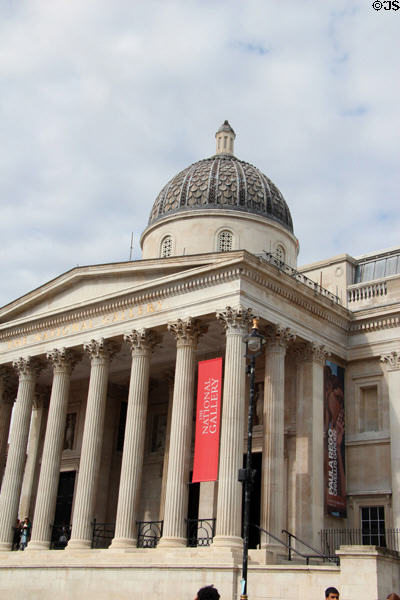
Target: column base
79	545
5	546
121	543
37	545
227	541
172	542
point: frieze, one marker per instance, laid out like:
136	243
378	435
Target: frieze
84	325
146	303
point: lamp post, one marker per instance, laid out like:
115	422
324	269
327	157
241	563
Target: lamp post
254	346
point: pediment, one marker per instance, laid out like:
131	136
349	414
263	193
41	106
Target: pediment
88	285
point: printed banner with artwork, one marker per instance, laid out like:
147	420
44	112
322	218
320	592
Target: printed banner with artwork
206	447
334	450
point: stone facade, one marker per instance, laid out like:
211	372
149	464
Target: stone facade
100	367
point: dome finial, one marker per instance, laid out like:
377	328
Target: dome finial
225	137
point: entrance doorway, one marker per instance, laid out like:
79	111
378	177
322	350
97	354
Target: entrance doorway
255	500
65	496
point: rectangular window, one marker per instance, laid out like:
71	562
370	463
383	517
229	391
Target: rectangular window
373	526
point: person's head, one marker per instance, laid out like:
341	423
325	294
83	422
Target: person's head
393	596
209	592
331	593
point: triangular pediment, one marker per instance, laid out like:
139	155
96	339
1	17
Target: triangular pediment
83	286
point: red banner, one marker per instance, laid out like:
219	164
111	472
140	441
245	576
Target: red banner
206	447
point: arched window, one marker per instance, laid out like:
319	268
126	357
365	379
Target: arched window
166	247
225	239
280	253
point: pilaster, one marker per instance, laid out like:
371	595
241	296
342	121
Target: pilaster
8	393
310	358
392	364
273	507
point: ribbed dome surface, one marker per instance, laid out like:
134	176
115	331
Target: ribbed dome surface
222	182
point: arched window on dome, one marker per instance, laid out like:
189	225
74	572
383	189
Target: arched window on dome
166	247
225	241
280	253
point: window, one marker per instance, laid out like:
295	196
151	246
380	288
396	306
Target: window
166	247
225	239
373	526
280	253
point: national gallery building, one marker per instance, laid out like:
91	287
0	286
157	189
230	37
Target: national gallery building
99	405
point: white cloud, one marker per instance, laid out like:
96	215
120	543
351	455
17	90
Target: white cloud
102	102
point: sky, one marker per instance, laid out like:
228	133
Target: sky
101	103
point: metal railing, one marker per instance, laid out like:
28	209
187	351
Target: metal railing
291	549
332	539
60	535
102	534
149	533
200	532
318	555
282	266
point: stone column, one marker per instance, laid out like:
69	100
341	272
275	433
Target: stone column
62	361
310	442
33	453
101	353
392	362
28	370
186	333
8	393
229	504
141	343
273	505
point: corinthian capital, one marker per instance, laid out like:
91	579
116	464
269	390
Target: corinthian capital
311	352
28	367
279	336
101	349
142	340
187	331
235	319
63	359
392	360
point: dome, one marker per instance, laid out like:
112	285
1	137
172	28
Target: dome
222	182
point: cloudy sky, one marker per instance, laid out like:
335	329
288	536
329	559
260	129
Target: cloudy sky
102	102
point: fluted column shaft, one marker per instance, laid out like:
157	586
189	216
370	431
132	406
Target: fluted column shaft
176	499
141	343
273	467
62	362
310	442
32	454
11	489
392	362
229	503
7	397
100	354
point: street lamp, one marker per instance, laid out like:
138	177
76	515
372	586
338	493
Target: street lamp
254	346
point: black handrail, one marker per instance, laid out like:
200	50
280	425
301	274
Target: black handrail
306	558
318	553
288	547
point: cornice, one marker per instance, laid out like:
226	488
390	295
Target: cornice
243	266
297	298
375	323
